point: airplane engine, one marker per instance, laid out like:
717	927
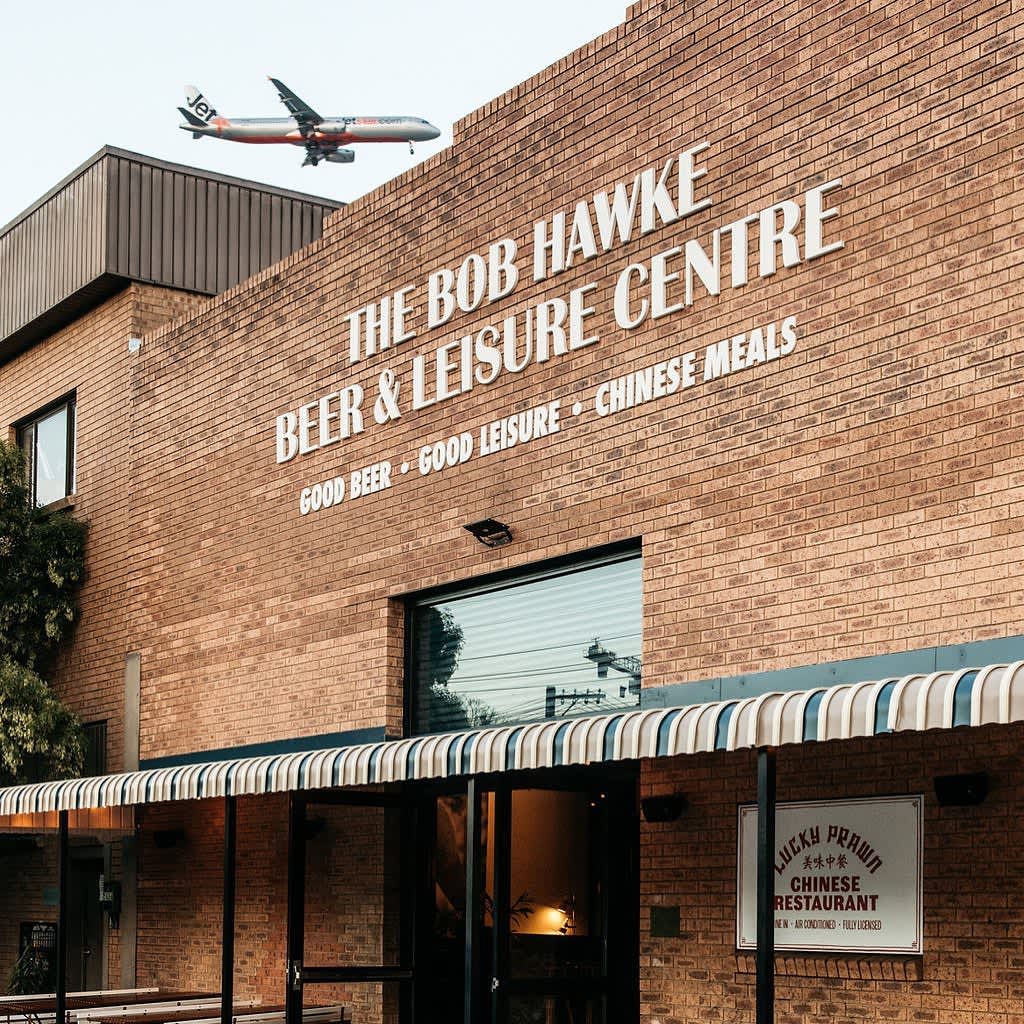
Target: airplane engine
341	156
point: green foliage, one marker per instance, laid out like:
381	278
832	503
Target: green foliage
39	737
32	973
43	555
42	564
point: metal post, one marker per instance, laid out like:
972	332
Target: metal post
765	886
227	963
408	902
295	940
502	836
474	891
61	952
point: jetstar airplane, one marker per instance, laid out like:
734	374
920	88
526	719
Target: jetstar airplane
322	137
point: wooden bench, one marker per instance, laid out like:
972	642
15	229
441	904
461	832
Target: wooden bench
242	1014
123	992
43	1009
151	1006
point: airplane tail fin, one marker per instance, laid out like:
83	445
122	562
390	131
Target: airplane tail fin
200	111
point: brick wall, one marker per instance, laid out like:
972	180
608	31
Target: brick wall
91	358
349	910
854	498
972	970
858	496
25	875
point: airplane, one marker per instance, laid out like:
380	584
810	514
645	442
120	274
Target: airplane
323	137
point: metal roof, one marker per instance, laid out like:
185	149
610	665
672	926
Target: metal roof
940	700
123	217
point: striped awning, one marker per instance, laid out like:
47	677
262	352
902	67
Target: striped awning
940	700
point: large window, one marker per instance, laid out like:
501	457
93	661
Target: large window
557	643
48	440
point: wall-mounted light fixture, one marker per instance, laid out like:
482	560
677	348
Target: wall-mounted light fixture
490	532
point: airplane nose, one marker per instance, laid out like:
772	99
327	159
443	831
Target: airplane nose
432	132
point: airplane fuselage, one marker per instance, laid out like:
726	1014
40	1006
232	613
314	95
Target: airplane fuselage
332	130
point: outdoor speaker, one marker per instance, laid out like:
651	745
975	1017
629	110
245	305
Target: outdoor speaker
961	790
663	808
164	839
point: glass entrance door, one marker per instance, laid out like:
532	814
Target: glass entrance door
530	915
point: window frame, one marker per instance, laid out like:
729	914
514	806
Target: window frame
29	424
504	579
97	745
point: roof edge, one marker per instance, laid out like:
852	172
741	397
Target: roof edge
166	165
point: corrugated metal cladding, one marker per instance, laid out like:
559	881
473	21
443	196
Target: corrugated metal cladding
124	217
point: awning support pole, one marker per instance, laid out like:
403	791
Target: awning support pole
474	891
295	940
61	951
502	899
765	887
227	963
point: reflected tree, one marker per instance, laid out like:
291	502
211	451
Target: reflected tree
441	642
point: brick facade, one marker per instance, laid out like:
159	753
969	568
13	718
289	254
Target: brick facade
90	357
857	497
349	909
852	499
972	970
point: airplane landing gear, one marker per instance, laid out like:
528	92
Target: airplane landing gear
410	149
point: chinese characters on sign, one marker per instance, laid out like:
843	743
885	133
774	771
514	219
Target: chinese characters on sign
847	876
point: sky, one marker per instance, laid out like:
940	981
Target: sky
76	76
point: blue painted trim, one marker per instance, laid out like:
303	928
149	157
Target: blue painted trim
962	699
510	749
811	716
882	706
722	726
833	673
349	738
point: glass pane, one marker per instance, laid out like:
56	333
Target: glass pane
51	457
554	1009
556	647
442	981
556	913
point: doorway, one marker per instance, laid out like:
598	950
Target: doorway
85	925
529	902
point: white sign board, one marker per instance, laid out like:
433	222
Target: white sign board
847	876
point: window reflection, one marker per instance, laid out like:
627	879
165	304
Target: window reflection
51	457
553	646
48	444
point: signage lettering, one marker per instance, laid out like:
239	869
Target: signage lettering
854	863
780	236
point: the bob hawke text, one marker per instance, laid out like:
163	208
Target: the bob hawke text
757	245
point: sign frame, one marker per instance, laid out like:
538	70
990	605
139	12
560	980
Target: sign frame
746	874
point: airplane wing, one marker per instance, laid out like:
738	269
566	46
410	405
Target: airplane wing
303	113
